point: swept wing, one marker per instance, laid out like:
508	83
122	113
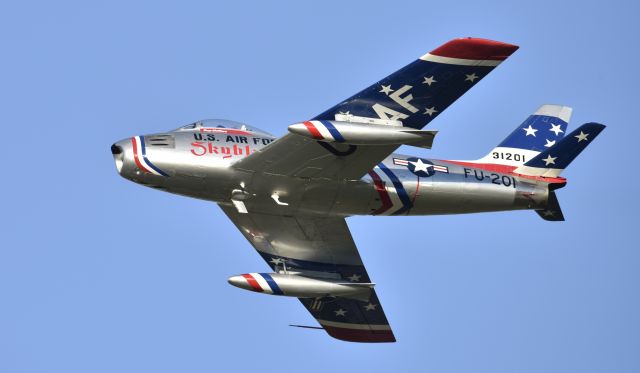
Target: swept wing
410	97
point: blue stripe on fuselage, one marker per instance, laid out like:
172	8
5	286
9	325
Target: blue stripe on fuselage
144	155
402	193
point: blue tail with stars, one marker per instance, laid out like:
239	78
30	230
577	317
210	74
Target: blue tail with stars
551	162
540	131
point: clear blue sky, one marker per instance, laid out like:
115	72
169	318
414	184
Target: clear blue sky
98	274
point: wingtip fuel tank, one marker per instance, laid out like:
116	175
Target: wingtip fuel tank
300	286
363	133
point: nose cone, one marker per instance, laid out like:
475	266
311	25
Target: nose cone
118	152
241	282
307	130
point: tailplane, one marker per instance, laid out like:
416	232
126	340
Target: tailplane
540	131
551	162
552	212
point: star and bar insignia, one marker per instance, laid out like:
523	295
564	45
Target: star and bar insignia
420	166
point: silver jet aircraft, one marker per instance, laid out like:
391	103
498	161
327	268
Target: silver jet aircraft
289	196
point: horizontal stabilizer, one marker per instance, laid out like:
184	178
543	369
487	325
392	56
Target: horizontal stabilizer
553	212
551	162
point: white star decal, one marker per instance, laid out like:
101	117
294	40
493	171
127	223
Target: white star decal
555	128
340	312
354	278
421	166
386	89
548	213
370	307
430	111
549	143
582	136
471	77
550	160
277	261
530	131
429	80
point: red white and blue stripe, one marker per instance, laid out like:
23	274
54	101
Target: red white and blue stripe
393	196
262	283
141	160
323	130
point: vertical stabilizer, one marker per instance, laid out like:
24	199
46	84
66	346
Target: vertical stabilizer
540	131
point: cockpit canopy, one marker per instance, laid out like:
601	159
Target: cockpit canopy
222	123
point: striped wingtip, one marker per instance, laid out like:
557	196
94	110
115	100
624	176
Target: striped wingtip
462	50
475	49
364	333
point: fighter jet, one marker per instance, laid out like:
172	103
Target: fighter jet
290	196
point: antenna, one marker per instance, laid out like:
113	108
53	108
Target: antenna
306	326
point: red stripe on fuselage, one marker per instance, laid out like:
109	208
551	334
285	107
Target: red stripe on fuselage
252	281
382	192
313	131
135	156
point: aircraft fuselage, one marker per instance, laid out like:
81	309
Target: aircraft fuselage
198	163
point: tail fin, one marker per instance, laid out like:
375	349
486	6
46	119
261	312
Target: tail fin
551	162
538	132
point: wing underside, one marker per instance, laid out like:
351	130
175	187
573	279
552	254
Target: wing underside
319	245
